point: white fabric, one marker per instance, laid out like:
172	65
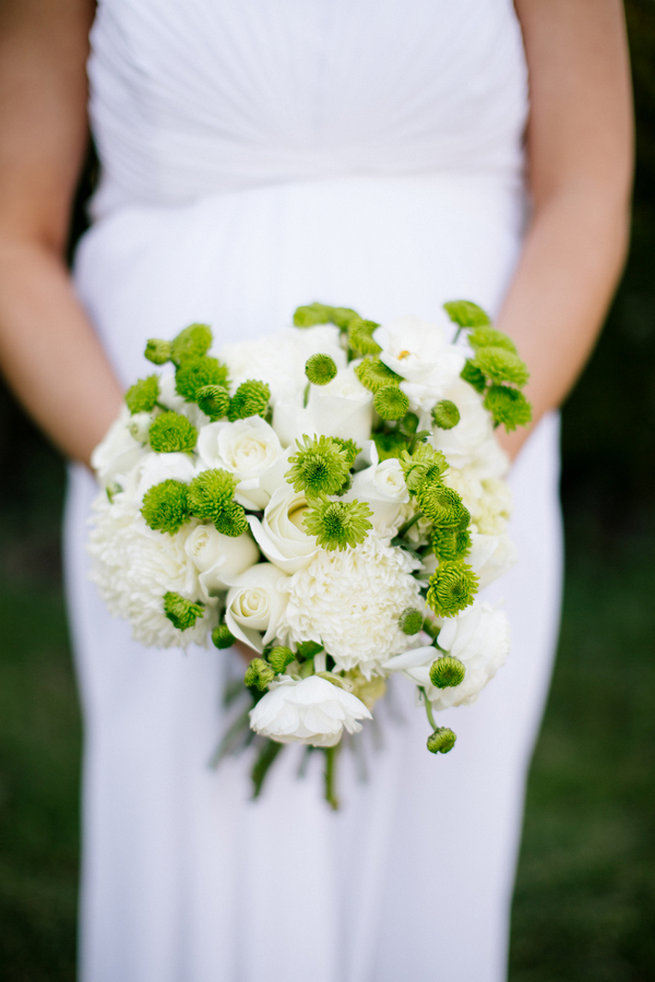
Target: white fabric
259	154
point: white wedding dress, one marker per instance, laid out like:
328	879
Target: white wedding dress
256	155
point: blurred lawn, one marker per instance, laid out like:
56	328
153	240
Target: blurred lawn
585	901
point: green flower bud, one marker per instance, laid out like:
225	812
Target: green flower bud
501	365
446	672
343	317
445	414
214	400
508	406
451	543
279	657
472	374
410	621
166	506
374	374
222	637
259	674
250	399
182	613
483	337
360	338
211	499
142	396
464	313
193	342
307	649
441	741
442	505
452	588
172	433
158	351
321	466
320	369
423	465
195	373
337	524
390	402
311	314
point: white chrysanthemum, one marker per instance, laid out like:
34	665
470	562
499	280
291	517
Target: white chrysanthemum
488	499
134	566
350	601
311	711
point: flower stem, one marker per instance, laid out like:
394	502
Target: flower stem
330	772
406	526
428	708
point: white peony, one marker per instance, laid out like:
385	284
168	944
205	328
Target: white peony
219	558
479	637
135	566
280	534
350	601
311	711
250	450
255	604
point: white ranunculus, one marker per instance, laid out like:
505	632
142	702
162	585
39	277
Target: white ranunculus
342	408
280	534
118	451
350	602
311	711
135	566
421	353
479	637
255	604
382	486
249	449
491	556
219	558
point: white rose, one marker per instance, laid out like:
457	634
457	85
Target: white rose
219	558
118	451
311	711
479	637
342	408
280	534
255	604
249	449
382	486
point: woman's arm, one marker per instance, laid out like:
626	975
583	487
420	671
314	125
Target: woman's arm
48	351
580	157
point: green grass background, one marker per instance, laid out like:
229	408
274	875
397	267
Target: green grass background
585	897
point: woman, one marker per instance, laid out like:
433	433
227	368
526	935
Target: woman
256	156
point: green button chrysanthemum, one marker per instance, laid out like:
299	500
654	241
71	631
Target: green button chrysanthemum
195	373
142	396
250	399
311	314
360	337
452	588
172	433
446	672
321	466
445	414
337	524
508	406
166	506
451	543
443	506
374	374
192	342
211	499
500	365
472	374
222	637
259	674
158	351
484	337
214	400
279	657
410	621
423	466
182	613
465	313
390	402
320	369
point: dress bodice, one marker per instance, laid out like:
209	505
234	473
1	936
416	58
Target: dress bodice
195	98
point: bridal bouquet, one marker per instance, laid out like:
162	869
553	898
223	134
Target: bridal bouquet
331	496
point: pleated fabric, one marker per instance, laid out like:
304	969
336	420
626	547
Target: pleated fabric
257	155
